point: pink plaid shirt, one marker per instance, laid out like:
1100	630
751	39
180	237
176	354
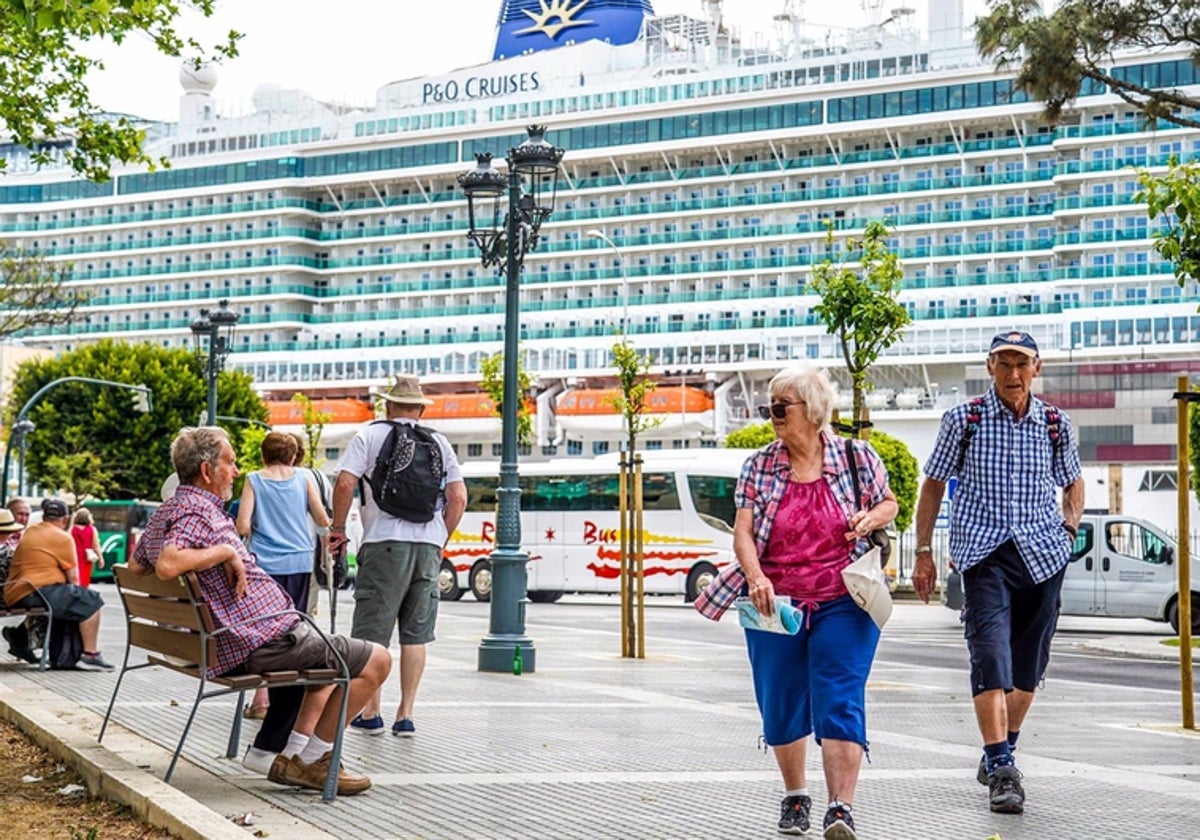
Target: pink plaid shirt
193	518
761	486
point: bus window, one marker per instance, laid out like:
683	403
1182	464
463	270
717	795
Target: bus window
659	491
481	494
713	497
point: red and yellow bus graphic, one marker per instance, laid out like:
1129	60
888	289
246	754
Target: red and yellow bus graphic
463	550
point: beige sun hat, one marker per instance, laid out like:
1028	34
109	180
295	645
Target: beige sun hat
406	390
8	524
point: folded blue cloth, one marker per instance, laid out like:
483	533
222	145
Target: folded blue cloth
785	619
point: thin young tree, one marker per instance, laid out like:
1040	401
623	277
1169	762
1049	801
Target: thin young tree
491	377
859	303
35	292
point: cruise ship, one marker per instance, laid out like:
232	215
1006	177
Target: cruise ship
702	167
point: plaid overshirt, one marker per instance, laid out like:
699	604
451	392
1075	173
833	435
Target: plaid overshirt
1007	487
193	518
761	486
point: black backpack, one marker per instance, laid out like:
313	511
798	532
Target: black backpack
409	474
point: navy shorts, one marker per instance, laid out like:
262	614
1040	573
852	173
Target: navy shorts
1008	621
69	601
816	680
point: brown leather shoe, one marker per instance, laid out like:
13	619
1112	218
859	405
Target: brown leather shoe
312	776
278	770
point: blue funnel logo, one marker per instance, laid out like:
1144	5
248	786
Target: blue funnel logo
534	25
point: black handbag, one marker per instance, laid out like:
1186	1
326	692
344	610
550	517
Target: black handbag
879	537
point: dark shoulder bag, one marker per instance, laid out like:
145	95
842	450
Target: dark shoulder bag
879	537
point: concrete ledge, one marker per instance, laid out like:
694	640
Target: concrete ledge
111	776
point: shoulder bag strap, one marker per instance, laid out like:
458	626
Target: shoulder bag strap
853	471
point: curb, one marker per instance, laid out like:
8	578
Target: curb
1156	653
110	776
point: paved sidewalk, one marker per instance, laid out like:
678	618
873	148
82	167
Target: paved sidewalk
595	746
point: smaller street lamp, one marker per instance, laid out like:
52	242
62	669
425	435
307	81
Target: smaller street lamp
603	237
218	325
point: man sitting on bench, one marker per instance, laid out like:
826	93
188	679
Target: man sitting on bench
190	532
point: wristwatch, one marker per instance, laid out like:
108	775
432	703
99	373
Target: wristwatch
923	549
1070	529
337	528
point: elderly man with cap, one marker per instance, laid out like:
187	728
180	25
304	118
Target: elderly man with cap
45	559
399	558
1011	539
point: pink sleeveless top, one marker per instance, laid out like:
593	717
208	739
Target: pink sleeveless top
807	549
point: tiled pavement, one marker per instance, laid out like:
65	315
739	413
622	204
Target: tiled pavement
594	746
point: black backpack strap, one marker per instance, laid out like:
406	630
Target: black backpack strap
853	461
974	417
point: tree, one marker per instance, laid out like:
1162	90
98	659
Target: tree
1058	53
78	472
898	460
34	292
46	105
1175	196
491	377
133	447
314	426
859	306
633	389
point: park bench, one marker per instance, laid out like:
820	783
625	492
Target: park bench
171	622
24	612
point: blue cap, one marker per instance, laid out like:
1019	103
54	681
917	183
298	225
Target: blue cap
1017	341
54	509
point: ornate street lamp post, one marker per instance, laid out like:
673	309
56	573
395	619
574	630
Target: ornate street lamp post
218	326
504	237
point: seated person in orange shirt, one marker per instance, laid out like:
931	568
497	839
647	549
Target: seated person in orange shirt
45	558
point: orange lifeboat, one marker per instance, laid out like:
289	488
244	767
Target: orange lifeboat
289	413
465	417
679	409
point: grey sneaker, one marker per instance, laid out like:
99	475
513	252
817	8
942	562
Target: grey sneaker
793	814
1005	791
839	823
94	662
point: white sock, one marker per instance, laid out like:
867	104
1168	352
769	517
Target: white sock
837	803
258	760
296	744
314	749
797	792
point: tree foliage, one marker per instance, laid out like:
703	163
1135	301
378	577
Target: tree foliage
78	472
859	305
134	448
314	426
34	292
491	377
44	63
1056	54
898	460
633	389
1175	197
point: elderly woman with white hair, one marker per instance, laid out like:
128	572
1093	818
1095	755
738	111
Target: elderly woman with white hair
798	525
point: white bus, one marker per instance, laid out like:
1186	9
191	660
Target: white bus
569	524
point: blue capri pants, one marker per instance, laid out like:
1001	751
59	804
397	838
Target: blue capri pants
816	680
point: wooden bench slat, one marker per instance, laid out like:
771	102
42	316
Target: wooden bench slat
181	644
150	584
323	674
164	610
280	676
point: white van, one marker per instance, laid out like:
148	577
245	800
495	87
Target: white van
1120	566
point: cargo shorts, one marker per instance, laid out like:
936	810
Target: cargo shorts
396	584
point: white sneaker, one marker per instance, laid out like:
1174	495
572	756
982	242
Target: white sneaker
258	761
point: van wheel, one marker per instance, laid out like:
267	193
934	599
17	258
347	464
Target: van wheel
1173	614
448	588
544	596
481	581
699	578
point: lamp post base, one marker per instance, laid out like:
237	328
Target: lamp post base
498	654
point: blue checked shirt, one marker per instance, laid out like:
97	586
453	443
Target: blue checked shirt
1008	484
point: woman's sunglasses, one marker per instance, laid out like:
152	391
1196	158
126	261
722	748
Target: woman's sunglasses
778	410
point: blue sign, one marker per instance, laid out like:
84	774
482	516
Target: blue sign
534	25
951	486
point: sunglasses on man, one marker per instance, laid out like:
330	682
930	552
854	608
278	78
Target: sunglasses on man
778	410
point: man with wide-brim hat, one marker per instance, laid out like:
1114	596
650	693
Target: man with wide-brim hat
400	556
